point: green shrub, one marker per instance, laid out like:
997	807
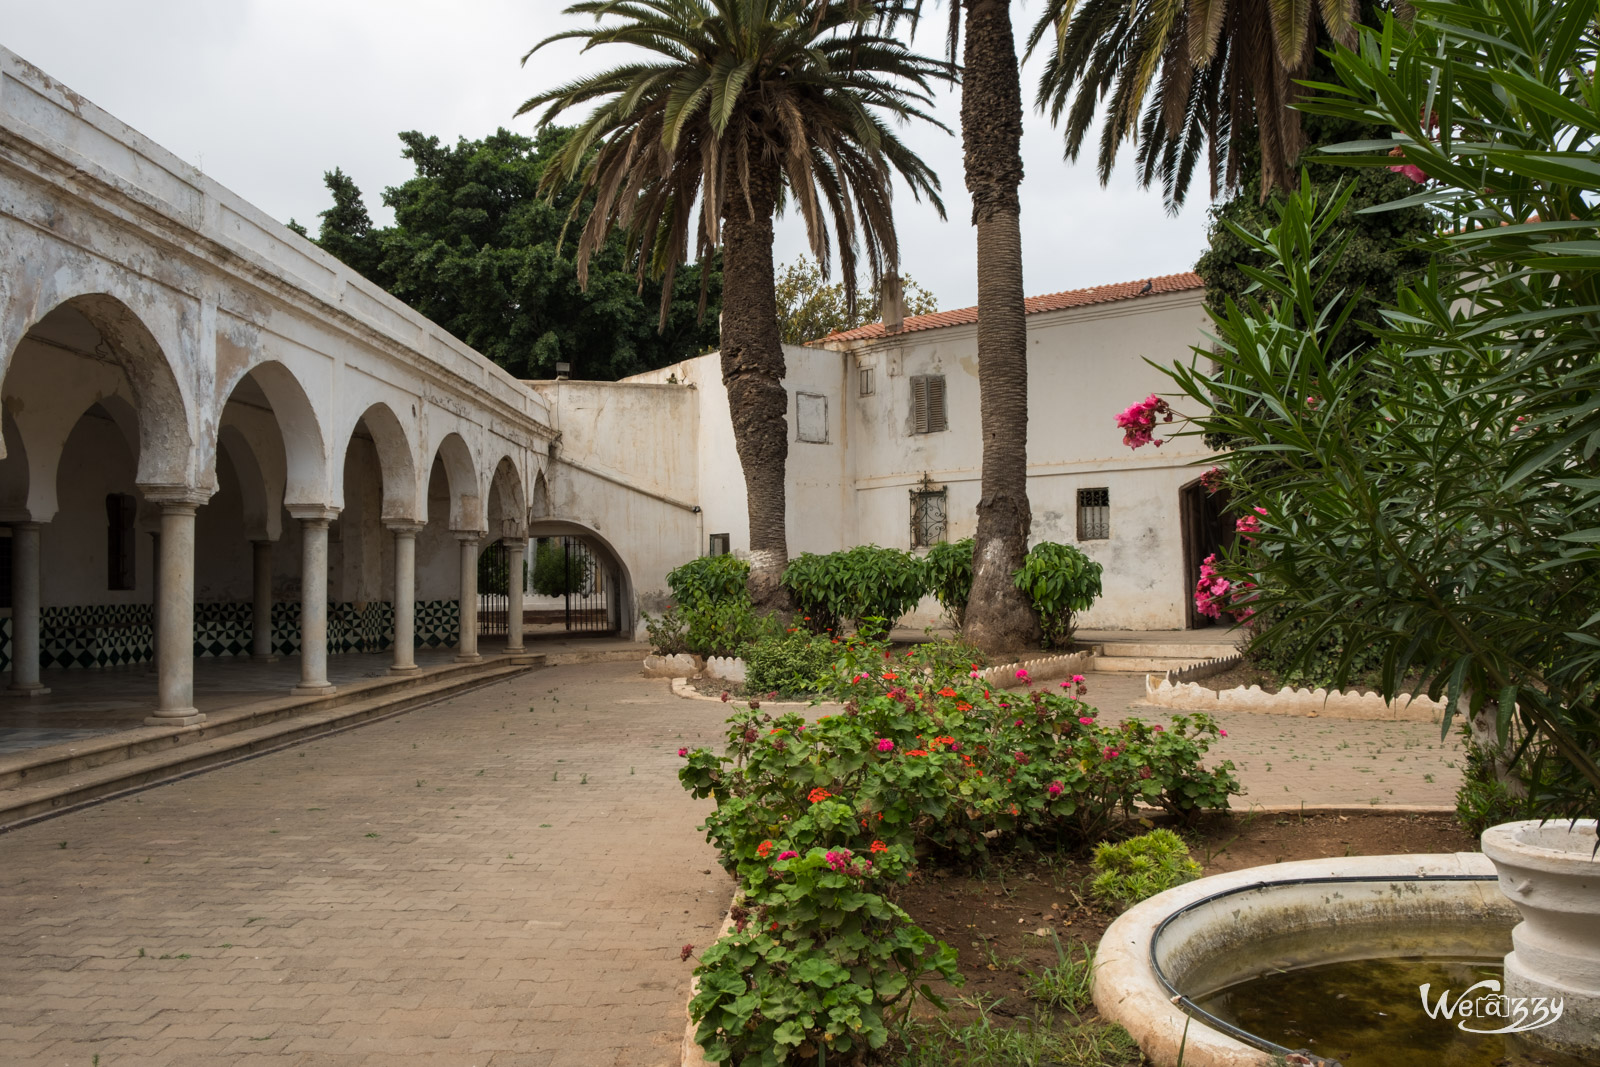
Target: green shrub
1141	867
789	663
710	580
1286	647
1059	580
947	574
555	573
872	586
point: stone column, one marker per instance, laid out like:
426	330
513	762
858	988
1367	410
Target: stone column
261	604
467	650
405	598
25	611
515	548
313	602
175	616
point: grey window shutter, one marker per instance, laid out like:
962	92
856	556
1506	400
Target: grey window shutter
935	405
919	405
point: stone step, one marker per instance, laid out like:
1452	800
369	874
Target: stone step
67	776
1195	653
1140	664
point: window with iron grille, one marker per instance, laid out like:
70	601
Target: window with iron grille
927	514
121	509
719	545
927	403
1094	514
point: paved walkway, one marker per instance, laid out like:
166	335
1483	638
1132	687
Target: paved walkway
503	878
1286	760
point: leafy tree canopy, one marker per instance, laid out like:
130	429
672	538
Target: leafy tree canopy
1383	251
476	249
809	307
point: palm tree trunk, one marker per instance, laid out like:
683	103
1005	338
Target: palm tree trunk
752	371
999	617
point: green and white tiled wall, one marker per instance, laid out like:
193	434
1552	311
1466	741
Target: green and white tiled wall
111	635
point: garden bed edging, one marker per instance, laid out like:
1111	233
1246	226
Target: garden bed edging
1162	691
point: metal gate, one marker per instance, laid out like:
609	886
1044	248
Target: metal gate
494	590
588	603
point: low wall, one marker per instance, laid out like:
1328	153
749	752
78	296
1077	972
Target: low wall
115	635
1189	696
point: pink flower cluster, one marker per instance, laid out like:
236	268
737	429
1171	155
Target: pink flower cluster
1054	789
1211	589
1250	525
885	745
1138	423
1213	480
787	854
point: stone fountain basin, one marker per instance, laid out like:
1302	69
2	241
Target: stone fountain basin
1207	929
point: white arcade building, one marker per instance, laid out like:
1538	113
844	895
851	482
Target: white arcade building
221	442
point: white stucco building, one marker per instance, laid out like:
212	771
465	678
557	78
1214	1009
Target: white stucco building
883	423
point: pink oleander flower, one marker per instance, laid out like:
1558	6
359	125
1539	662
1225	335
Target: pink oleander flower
1054	789
885	745
1138	422
787	854
1410	170
1212	480
1249	526
683	752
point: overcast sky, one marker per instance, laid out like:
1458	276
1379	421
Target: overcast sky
265	95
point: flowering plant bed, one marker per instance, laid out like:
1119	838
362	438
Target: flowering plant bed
823	823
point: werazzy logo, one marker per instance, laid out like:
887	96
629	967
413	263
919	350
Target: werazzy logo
1485	1003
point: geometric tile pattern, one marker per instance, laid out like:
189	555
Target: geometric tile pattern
112	635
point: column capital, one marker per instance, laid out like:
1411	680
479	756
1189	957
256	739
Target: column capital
174	497
468	537
401	526
312	513
514	542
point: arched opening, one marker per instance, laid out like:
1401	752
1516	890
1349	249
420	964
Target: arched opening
578	582
93	417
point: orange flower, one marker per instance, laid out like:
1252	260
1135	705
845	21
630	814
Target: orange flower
890	676
818	795
764	848
879	846
963	707
947	692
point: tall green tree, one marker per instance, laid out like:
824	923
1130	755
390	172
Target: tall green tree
743	106
1184	79
811	307
476	247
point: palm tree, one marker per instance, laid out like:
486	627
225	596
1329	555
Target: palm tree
1217	68
999	616
745	106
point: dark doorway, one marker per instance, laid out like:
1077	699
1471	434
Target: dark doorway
494	590
1206	529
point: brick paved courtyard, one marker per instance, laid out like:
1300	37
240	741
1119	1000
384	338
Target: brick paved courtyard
474	883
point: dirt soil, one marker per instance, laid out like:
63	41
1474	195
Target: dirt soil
999	919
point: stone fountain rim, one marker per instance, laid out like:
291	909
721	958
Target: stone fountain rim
1127	989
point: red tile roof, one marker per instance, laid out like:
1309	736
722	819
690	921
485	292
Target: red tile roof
1099	294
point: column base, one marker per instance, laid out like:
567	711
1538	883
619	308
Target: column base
410	668
26	691
263	659
468	657
509	651
320	690
176	717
